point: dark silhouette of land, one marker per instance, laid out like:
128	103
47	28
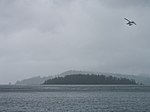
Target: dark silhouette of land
87	79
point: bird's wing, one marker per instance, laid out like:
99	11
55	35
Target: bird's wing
134	22
127	19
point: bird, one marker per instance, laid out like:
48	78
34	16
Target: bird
130	23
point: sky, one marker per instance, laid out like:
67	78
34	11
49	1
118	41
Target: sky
47	37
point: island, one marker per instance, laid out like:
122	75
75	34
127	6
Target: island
89	79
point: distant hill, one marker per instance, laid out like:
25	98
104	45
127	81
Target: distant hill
90	79
39	80
33	81
139	78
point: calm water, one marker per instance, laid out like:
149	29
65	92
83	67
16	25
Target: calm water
74	98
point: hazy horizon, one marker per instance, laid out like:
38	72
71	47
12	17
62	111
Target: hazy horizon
47	37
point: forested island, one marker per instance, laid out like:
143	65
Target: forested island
90	79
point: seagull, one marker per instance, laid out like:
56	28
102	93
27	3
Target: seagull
130	22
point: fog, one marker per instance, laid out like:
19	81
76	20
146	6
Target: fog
47	37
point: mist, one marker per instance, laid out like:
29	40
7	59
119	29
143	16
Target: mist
47	37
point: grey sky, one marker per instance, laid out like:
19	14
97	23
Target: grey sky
46	37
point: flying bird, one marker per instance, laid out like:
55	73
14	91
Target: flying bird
130	22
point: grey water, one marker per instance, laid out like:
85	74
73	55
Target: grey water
74	98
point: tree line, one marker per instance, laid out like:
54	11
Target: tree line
89	79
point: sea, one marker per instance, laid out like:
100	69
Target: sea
75	98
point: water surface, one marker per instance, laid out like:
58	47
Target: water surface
74	98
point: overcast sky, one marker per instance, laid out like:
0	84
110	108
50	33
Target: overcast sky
47	37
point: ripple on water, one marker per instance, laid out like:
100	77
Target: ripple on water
75	101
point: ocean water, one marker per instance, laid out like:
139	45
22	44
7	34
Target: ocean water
74	98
